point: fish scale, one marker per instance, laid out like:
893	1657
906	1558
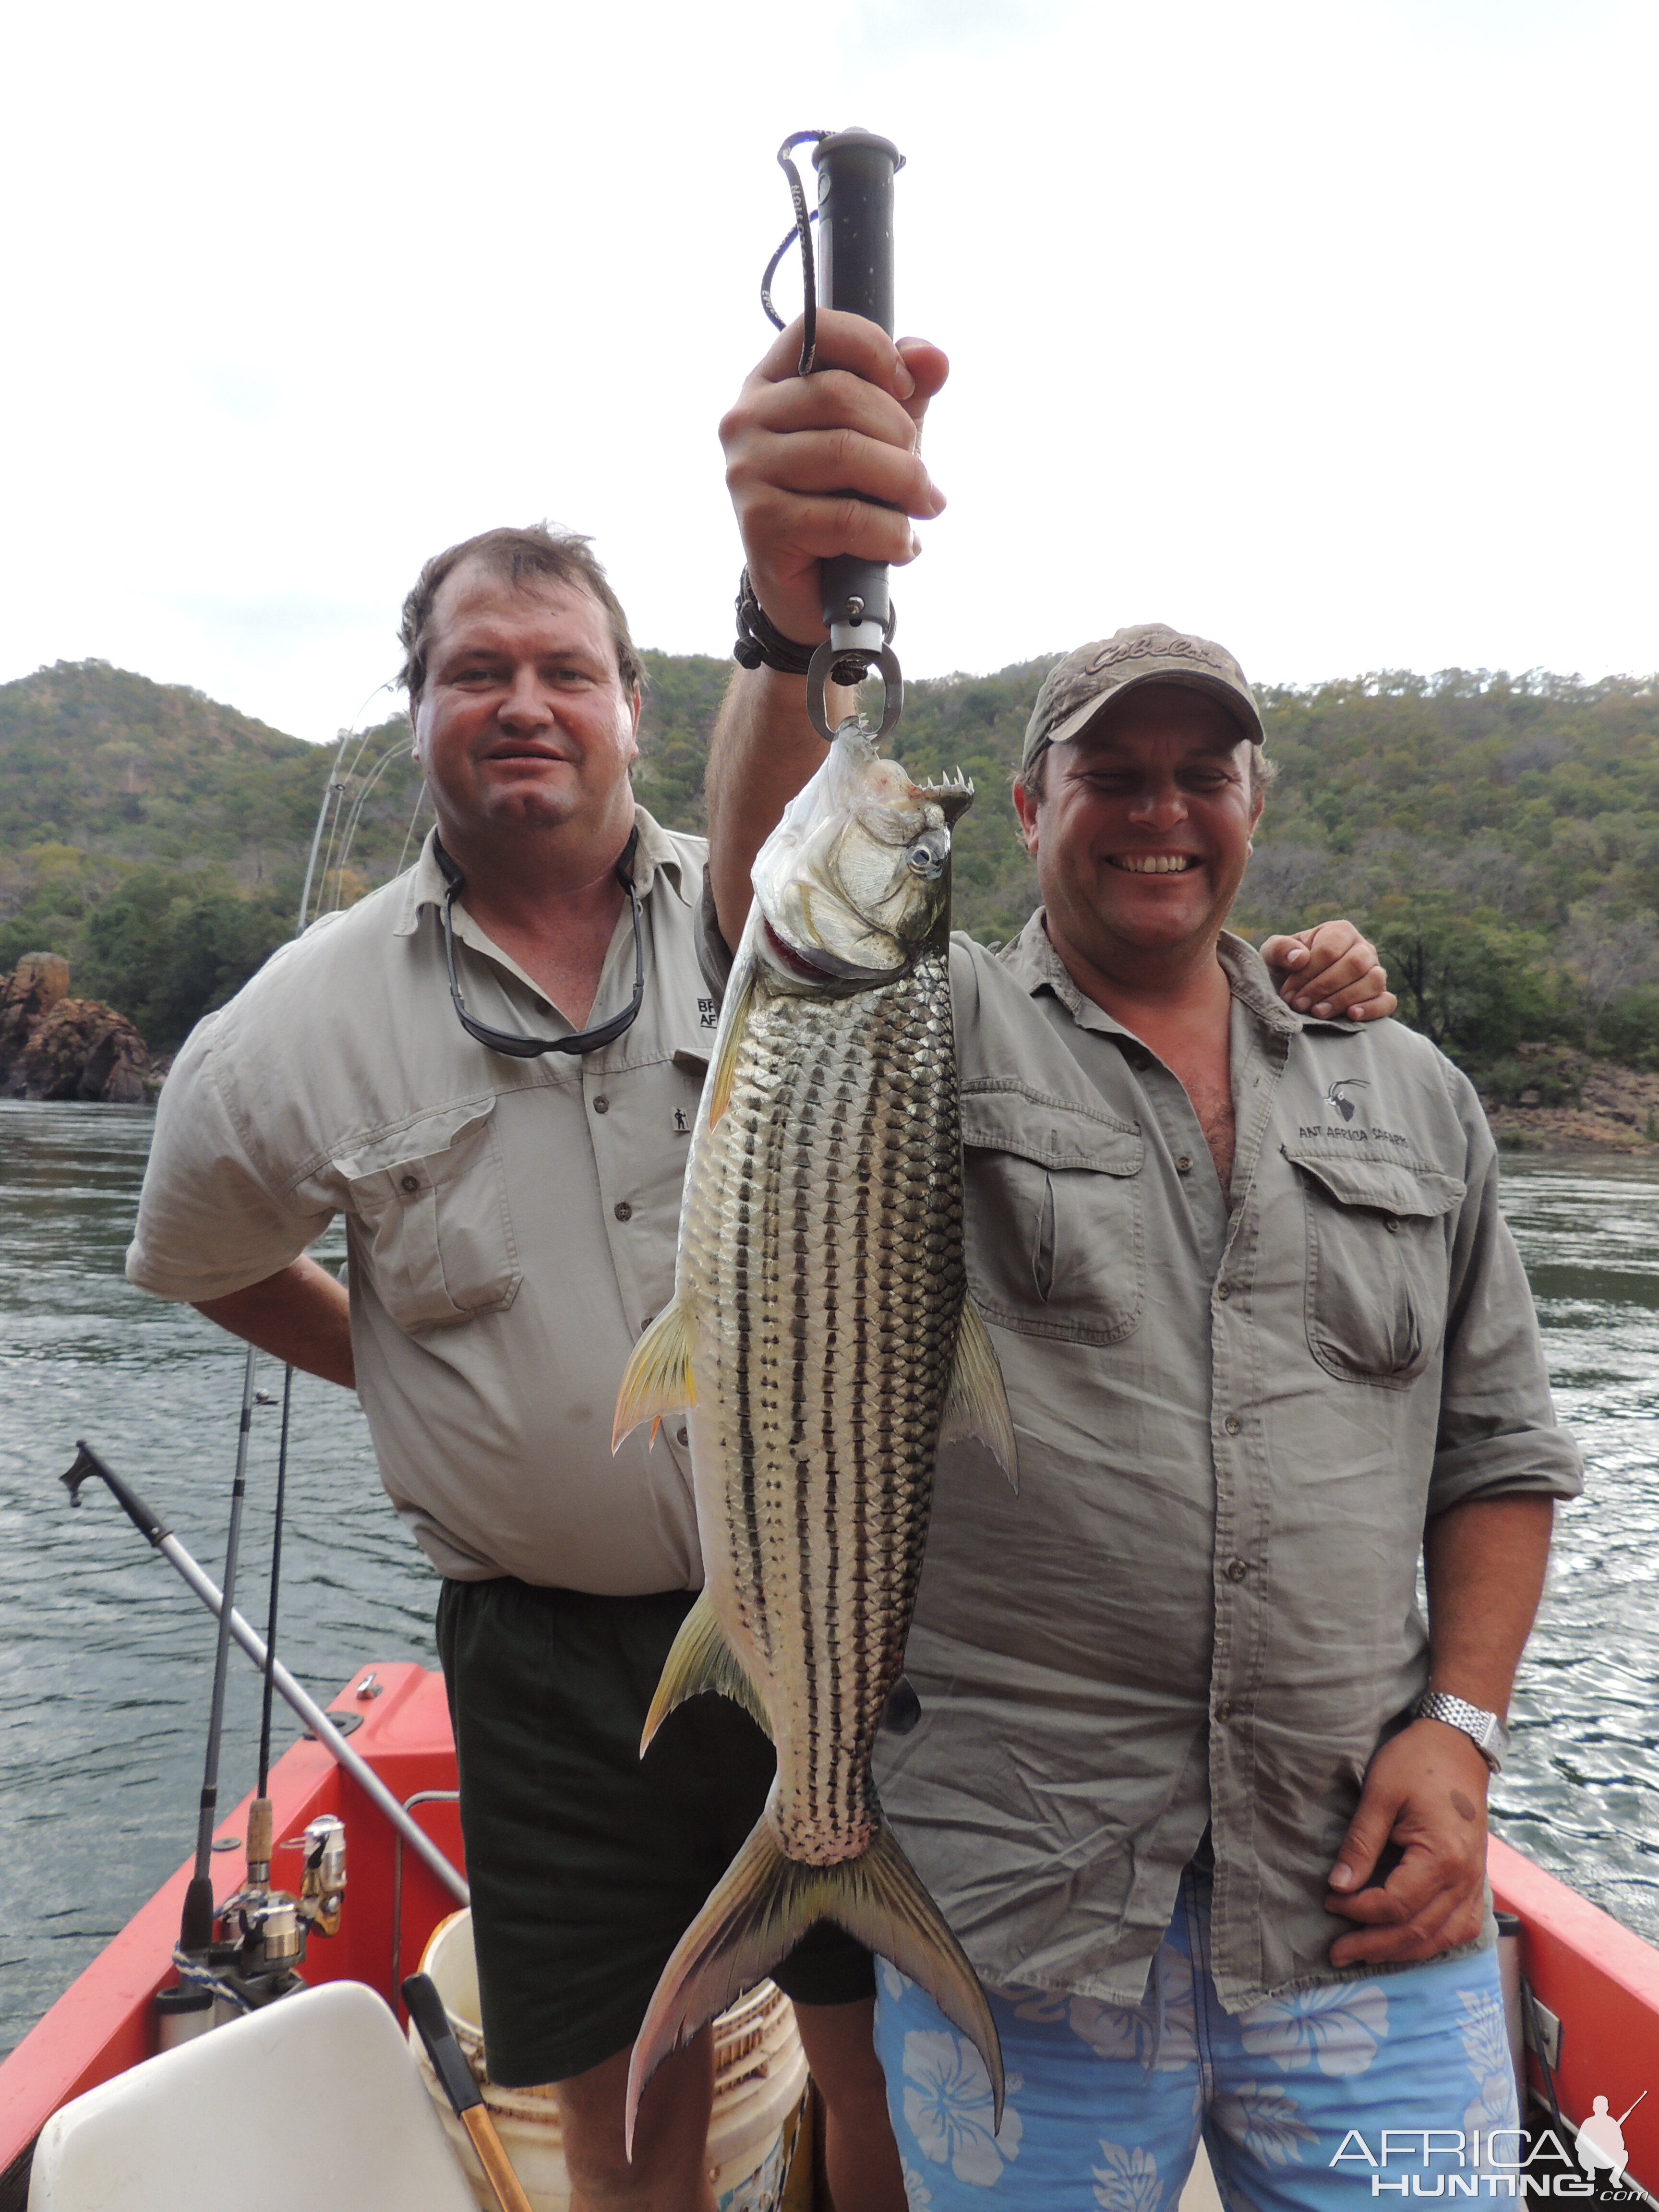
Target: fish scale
821	1343
828	1244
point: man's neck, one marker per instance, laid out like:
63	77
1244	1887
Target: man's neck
550	899
1183	989
1179	1005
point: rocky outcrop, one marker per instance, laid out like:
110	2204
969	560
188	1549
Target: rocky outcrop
52	1046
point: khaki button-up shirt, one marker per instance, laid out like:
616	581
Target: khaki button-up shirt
1200	1608
510	1223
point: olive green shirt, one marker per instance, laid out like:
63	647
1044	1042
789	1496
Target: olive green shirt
510	1223
1200	1608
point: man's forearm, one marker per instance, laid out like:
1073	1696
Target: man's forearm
301	1316
1484	1564
765	748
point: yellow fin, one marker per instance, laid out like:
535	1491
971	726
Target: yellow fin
765	1902
977	1404
657	1379
731	1037
700	1658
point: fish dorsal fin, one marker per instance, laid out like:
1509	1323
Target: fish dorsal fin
701	1658
977	1404
724	1072
657	1379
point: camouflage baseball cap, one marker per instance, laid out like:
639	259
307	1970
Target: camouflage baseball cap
1090	678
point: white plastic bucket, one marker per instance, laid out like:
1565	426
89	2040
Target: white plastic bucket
760	2081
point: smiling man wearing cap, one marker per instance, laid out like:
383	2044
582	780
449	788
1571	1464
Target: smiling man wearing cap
1199	1787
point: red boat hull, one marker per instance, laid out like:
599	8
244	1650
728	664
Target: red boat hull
1601	1981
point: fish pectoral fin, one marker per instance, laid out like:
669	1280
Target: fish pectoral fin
657	1379
762	1907
724	1072
700	1658
977	1404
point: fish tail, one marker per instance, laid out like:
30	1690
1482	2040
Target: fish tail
764	1903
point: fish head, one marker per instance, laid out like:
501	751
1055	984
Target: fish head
855	880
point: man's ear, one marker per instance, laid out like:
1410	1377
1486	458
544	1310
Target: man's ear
1026	807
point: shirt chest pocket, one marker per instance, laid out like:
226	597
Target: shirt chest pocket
1377	1265
430	1207
1053	1215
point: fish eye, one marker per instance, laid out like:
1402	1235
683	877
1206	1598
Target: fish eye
927	856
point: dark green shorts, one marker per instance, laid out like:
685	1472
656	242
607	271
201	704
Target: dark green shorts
587	1862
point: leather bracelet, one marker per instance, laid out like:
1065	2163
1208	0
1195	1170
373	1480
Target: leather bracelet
760	643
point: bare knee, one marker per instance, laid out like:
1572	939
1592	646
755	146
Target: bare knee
667	2172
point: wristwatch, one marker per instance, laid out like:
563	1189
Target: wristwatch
1485	1730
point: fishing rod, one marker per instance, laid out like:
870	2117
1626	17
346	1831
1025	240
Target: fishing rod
196	1924
155	1531
854	275
259	1815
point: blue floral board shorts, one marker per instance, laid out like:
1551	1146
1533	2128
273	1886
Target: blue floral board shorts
1106	2103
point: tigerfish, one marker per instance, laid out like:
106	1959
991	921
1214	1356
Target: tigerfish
823	1344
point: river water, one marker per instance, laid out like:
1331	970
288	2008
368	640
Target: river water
105	1658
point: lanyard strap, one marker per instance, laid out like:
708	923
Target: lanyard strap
530	1048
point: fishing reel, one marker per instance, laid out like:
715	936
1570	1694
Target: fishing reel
261	1933
265	1930
855	273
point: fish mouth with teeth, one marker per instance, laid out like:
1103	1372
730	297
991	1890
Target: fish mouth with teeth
1154	864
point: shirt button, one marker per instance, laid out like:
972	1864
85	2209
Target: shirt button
1224	1711
410	1182
1232	1425
622	1210
601	1104
1224	1291
1184	1164
682	1435
1236	1570
1391	1225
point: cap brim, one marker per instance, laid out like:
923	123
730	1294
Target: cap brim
1241	710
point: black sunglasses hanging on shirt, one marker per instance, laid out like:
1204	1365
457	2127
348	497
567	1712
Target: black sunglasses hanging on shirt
530	1048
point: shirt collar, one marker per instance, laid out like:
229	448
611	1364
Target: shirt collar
424	884
1033	962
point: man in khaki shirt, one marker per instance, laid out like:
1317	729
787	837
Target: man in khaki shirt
1266	1342
510	1222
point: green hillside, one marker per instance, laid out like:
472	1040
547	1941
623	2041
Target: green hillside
1500	837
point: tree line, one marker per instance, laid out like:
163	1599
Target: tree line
1499	835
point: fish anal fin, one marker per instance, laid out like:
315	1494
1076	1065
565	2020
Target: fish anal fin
724	1072
762	1907
976	1403
700	1658
657	1379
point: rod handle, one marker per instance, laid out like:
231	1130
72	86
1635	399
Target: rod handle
260	1824
855	273
148	1523
493	2158
426	2009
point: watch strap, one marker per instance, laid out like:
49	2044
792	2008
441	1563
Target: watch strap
1484	1729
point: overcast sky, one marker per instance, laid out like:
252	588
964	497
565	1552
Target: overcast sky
1327	330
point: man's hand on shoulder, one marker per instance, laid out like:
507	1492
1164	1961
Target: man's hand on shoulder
1331	970
1426	1792
828	464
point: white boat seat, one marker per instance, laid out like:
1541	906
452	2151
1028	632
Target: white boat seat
314	2104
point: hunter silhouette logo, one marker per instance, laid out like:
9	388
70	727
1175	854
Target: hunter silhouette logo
1337	1096
1601	2142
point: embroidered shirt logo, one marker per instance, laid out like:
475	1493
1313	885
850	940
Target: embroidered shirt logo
1337	1096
